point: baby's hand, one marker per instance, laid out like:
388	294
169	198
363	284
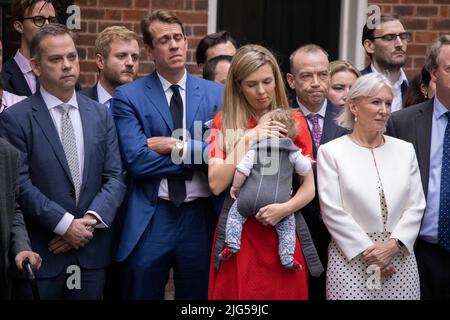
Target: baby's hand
234	192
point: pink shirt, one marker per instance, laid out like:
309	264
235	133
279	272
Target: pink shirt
25	67
8	99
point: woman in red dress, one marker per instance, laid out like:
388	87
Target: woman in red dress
255	86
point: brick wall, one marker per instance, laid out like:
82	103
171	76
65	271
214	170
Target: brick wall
99	14
426	19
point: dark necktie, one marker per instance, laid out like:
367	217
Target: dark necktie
444	202
176	186
315	128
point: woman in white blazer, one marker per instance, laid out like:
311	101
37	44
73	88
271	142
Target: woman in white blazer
371	200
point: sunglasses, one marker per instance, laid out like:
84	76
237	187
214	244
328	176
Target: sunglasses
404	36
39	21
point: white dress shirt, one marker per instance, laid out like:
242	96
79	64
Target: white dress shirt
56	113
198	186
103	96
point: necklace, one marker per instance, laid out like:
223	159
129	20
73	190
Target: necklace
364	145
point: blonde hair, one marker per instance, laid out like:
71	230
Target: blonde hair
111	34
365	86
236	111
341	65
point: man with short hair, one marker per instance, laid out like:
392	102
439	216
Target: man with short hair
170	215
213	45
28	17
216	69
71	176
309	77
117	58
386	47
427	127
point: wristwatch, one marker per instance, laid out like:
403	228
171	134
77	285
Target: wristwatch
399	244
179	146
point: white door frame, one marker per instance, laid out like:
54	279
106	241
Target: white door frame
353	17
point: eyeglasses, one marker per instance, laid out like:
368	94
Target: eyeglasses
404	36
39	21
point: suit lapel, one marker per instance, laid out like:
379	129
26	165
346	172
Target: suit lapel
329	125
192	100
44	119
88	133
158	98
423	124
18	81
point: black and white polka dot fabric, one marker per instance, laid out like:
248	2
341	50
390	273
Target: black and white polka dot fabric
355	280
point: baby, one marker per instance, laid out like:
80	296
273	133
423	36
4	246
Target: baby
263	177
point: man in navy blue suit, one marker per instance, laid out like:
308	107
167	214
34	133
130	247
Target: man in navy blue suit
310	79
386	46
117	58
71	176
170	217
28	16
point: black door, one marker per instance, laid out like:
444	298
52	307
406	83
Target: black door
282	25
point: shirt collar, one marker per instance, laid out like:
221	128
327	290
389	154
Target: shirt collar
103	95
52	102
166	84
399	82
23	63
306	112
439	109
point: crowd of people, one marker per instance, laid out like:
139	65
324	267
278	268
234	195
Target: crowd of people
339	190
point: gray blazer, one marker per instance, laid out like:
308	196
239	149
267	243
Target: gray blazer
13	234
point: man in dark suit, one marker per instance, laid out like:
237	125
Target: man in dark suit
310	78
13	234
117	57
426	126
28	17
386	47
71	176
169	217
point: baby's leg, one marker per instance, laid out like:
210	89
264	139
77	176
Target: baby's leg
286	243
233	232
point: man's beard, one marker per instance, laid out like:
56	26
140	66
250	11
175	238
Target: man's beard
391	65
116	79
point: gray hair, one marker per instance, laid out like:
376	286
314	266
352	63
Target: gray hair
51	29
365	86
431	59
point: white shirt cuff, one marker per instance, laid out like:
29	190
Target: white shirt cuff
102	223
183	156
63	224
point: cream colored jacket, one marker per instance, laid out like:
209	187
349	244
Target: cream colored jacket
349	198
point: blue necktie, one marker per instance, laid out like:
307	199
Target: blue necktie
176	186
444	202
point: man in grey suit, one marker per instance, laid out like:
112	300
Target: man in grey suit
13	234
426	126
